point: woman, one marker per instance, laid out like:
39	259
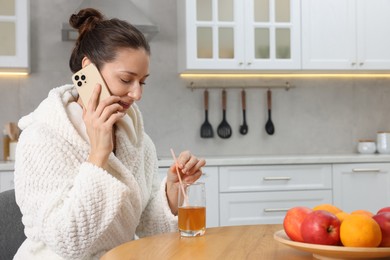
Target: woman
86	174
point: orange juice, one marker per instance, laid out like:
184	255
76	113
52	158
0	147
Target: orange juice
192	218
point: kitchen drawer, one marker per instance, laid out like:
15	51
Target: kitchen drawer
266	207
361	186
275	177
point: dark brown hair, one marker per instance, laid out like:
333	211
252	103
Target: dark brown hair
99	38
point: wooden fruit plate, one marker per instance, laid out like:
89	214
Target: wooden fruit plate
334	252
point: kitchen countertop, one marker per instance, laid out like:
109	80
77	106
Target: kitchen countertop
288	159
267	160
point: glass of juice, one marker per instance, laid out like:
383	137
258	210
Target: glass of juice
192	209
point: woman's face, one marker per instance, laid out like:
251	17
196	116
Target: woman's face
126	75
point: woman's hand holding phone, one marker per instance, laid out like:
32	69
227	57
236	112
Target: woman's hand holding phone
99	118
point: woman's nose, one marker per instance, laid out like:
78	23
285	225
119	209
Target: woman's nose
136	92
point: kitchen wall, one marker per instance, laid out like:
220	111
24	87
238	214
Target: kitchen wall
317	116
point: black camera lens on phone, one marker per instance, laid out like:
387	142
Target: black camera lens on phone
79	83
76	77
83	77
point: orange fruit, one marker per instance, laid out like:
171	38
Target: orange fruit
359	230
362	212
328	207
342	215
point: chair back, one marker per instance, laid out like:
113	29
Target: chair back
11	226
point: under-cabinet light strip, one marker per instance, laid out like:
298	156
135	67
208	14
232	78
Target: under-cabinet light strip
226	75
13	73
193	86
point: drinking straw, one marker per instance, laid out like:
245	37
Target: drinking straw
178	175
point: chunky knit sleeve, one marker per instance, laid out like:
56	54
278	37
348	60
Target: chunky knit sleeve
66	203
157	217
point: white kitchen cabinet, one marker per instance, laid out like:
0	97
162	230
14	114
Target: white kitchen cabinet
263	194
6	180
14	28
345	35
248	208
275	177
238	35
210	178
361	186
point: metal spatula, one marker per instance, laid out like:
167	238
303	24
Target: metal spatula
224	129
206	130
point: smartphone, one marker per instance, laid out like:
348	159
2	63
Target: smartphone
85	81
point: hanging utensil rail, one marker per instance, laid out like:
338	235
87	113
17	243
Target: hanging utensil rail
286	86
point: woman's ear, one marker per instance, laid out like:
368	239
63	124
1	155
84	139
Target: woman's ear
85	62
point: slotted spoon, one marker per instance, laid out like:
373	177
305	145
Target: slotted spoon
224	130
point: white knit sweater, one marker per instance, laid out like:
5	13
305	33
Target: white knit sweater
73	209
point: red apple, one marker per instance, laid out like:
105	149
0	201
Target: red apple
293	220
385	209
383	219
321	227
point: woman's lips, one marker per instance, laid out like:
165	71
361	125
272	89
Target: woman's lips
124	105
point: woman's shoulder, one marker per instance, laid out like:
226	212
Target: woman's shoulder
38	134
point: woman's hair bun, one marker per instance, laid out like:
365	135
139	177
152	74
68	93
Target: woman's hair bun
85	19
100	38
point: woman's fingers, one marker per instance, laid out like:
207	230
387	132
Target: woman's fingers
189	167
102	112
114	118
197	167
106	103
193	177
93	100
189	164
110	110
183	159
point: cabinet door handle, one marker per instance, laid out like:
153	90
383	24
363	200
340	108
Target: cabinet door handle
365	170
240	63
353	63
361	63
281	178
276	210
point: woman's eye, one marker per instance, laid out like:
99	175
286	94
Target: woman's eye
125	81
130	81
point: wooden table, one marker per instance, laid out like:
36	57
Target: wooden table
235	242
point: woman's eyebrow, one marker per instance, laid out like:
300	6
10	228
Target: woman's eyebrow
134	74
